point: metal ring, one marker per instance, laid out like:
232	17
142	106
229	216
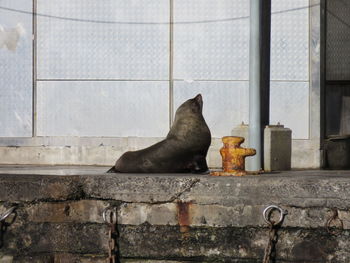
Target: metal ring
335	218
113	213
7	213
271	207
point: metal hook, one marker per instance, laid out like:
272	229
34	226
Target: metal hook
7	213
112	215
270	208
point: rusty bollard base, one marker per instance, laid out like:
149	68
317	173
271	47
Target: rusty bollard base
222	173
233	157
236	173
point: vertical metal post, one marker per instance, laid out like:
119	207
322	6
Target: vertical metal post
34	70
171	63
259	77
323	40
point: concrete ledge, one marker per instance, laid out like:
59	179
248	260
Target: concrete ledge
295	188
81	150
172	217
105	151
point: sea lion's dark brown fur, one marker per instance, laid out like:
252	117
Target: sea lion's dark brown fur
183	150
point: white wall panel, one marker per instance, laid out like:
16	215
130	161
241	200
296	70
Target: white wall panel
211	39
290	40
16	83
225	102
110	39
85	108
290	106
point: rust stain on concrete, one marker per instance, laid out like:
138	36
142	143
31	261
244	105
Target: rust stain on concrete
184	217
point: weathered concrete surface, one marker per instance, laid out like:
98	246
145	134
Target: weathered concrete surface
229	243
172	218
27	238
223	216
301	189
66	212
16	187
60	258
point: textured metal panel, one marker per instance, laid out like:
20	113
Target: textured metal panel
111	108
290	40
211	39
290	106
338	40
225	102
110	39
16	70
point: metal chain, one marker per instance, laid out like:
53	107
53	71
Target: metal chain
4	224
110	217
271	245
274	227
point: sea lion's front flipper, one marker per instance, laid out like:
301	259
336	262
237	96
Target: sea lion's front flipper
200	165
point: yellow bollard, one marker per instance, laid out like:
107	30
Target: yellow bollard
233	157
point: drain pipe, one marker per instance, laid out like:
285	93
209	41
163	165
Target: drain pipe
259	77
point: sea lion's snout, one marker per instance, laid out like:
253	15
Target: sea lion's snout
198	98
199	101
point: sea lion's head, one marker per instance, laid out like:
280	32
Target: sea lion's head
191	106
190	126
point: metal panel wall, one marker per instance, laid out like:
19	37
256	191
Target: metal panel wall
110	39
289	95
290	40
83	41
211	39
103	108
211	42
290	106
16	68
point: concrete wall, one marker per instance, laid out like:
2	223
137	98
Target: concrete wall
110	70
171	218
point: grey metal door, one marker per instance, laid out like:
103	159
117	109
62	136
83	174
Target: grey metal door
337	67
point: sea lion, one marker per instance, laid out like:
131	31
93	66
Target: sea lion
183	150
